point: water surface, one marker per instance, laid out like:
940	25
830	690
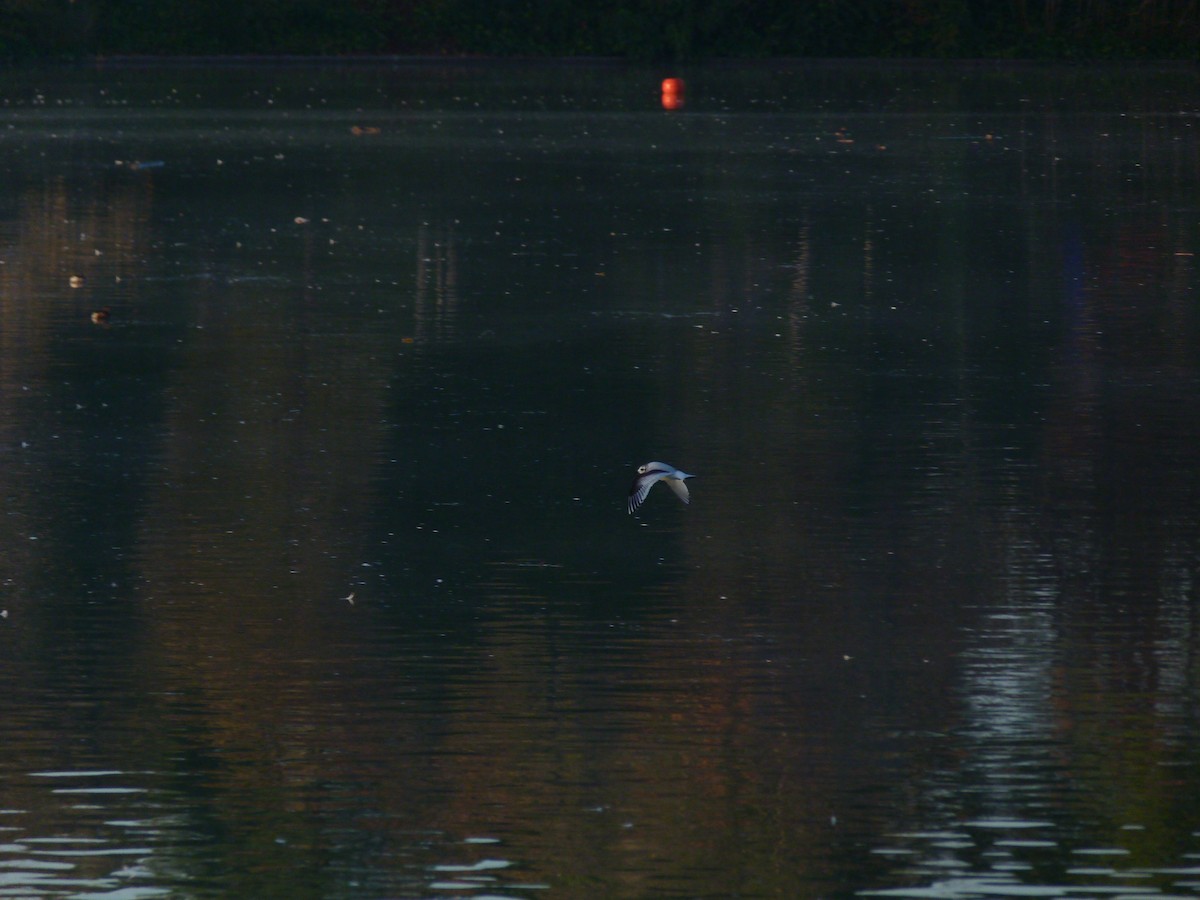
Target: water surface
314	558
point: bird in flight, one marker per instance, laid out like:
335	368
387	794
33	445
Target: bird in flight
652	473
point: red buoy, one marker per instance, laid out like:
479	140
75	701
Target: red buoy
672	93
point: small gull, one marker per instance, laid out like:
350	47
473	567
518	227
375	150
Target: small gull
650	474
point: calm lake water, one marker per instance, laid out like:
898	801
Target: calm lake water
316	574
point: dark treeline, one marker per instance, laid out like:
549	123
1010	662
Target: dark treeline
636	29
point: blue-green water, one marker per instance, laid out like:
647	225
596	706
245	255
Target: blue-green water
315	566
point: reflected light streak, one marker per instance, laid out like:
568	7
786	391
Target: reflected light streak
437	277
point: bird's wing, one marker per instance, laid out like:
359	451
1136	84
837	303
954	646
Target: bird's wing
641	487
679	486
